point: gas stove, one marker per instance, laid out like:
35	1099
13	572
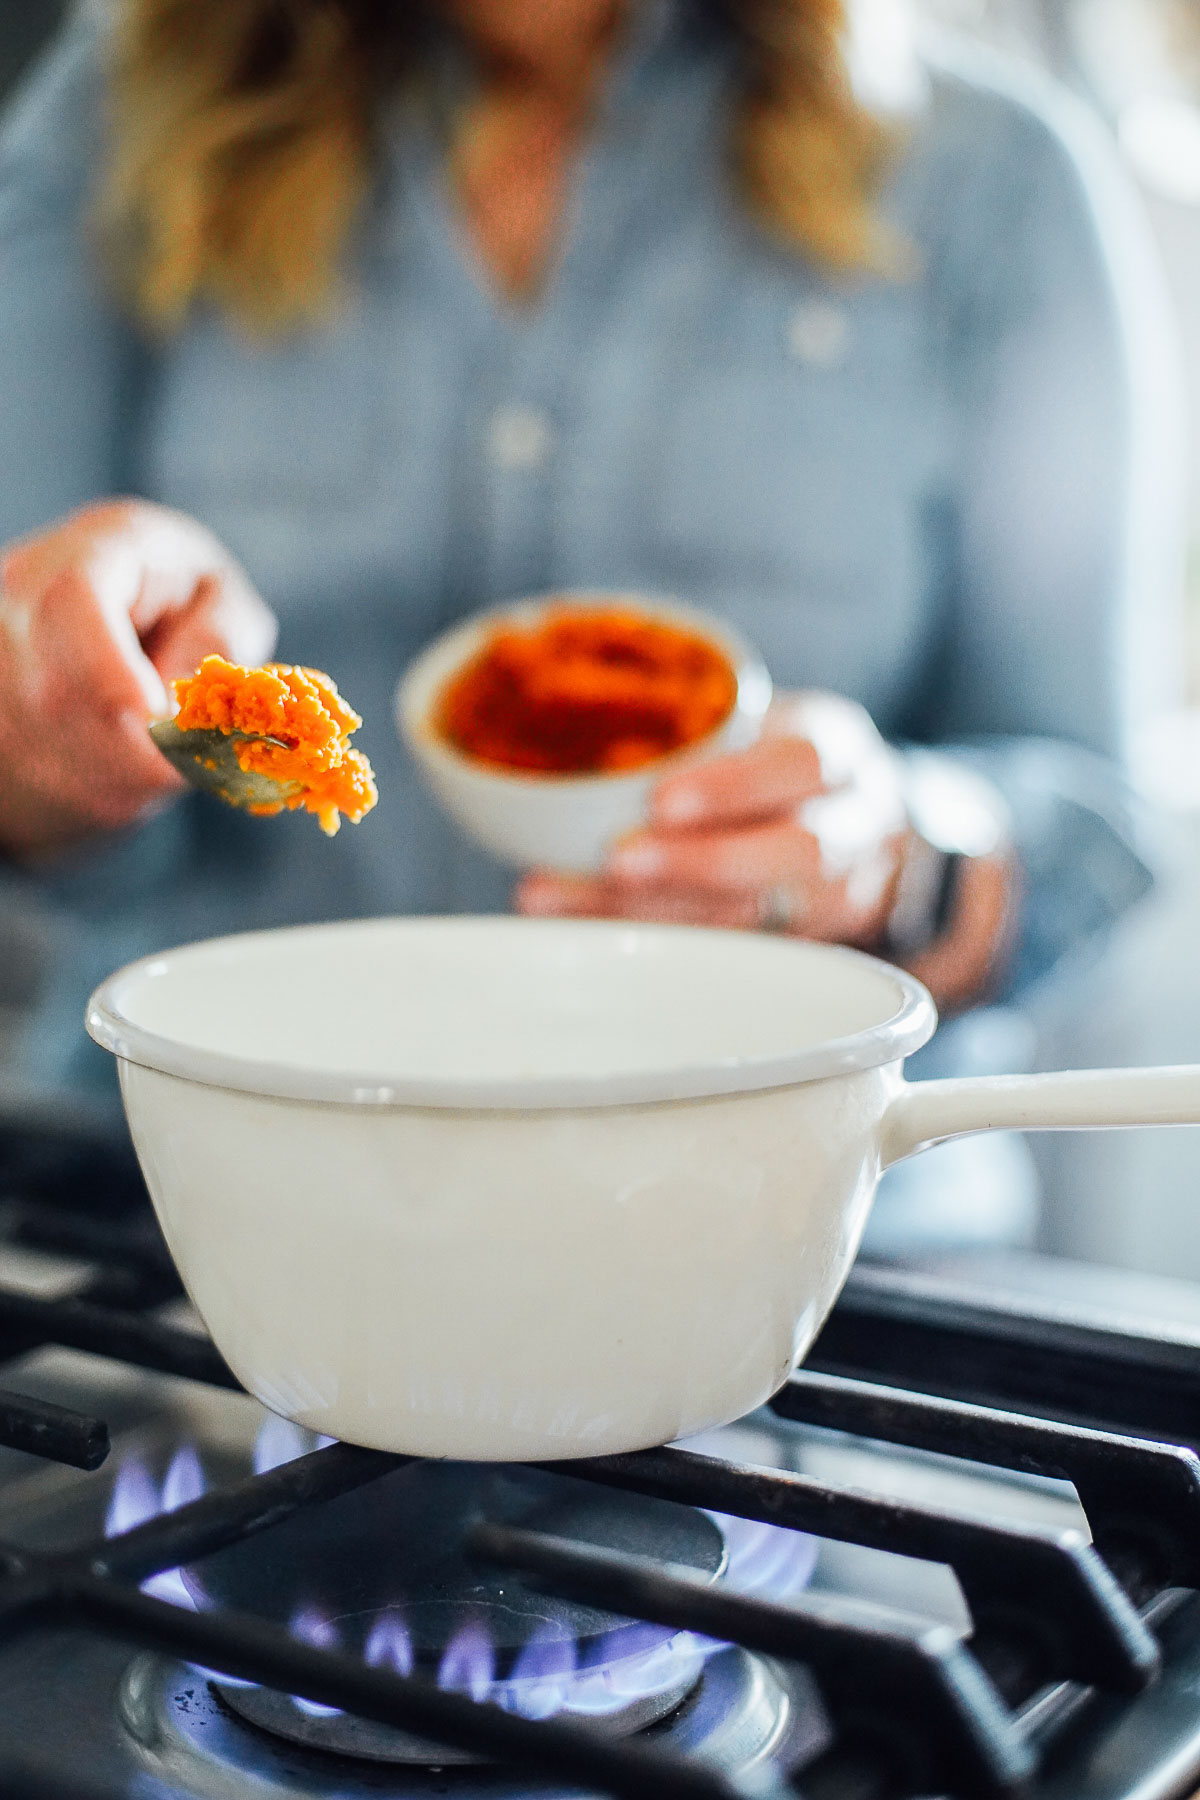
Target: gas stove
956	1554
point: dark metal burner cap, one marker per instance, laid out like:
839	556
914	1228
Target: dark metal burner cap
398	1544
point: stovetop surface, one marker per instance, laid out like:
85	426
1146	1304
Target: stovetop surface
137	1719
106	1715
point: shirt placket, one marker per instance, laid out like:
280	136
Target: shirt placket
518	429
523	415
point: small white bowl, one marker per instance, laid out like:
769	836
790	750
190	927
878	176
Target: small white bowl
567	822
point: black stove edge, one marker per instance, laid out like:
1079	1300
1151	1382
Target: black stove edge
1141	1498
916	1329
1144	1748
29	1780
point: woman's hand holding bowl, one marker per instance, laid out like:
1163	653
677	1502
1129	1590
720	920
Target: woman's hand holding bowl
805	833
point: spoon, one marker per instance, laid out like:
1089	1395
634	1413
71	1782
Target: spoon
208	760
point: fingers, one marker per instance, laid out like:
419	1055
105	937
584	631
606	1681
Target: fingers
243	627
94	694
810	822
223	618
745	860
74	626
738	879
543	894
190	598
816	911
66	777
757	840
161	580
85	658
776	775
823	913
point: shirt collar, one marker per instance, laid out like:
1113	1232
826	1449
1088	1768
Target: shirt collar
654	29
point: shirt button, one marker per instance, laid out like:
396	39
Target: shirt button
519	437
819	333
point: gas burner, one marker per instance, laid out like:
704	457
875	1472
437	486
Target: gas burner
744	1713
674	1667
384	1573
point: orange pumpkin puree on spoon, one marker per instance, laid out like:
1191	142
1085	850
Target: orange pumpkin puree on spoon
310	723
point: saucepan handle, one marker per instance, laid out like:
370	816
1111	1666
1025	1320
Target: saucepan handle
928	1112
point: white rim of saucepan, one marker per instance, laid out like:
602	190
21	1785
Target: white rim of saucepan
425	677
910	1026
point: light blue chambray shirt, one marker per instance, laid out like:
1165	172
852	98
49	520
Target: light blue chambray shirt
936	495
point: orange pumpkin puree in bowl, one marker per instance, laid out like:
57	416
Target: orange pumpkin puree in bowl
303	711
586	691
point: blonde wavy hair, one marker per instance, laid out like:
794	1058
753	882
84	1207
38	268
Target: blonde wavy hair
244	138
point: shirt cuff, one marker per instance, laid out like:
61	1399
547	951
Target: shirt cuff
1082	836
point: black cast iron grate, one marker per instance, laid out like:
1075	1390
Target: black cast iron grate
911	1712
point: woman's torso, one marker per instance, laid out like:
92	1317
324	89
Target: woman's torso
688	409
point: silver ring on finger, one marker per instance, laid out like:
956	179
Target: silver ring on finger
782	908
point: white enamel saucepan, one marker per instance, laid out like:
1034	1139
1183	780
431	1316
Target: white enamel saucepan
525	1189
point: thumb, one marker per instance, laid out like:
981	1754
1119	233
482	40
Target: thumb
772	777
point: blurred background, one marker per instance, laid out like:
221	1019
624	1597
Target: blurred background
1131	1199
